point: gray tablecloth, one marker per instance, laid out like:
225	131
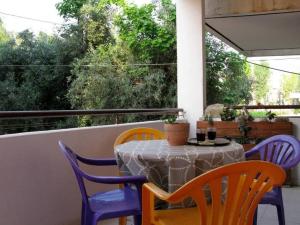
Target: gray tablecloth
170	167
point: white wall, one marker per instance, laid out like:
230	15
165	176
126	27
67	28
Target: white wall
296	171
37	185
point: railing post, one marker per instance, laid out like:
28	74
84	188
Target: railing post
116	119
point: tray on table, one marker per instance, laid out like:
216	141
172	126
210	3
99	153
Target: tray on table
216	142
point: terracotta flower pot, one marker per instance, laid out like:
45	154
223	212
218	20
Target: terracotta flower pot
177	133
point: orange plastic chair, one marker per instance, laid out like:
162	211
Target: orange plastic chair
246	184
140	133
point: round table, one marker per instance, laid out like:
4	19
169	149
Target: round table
170	167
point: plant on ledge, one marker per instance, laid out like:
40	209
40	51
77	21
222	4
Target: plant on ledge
177	132
170	119
244	128
228	114
270	115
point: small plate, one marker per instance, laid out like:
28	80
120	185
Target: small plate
217	142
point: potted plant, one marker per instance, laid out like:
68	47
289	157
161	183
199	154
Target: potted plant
228	114
177	132
243	124
244	129
270	116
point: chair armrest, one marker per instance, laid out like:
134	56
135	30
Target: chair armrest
158	192
97	162
137	180
149	191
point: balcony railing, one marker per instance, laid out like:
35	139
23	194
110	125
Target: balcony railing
65	113
267	106
24	121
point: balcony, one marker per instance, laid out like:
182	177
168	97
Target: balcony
38	185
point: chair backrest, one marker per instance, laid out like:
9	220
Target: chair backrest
72	158
283	150
140	133
246	183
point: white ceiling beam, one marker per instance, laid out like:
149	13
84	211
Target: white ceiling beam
217	8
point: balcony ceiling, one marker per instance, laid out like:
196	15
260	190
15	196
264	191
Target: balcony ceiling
264	34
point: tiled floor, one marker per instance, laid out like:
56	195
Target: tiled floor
291	196
267	214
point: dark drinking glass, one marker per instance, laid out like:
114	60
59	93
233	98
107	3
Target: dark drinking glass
211	133
200	135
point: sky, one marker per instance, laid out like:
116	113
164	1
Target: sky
37	9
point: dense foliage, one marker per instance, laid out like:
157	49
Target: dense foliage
115	55
30	76
290	84
4	36
261	85
227	74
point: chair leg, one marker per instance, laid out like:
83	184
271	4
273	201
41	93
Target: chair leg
280	208
88	221
89	218
255	216
122	220
94	221
138	220
82	214
280	214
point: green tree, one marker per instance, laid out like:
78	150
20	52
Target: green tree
35	80
261	76
149	31
227	74
110	81
95	25
4	36
290	83
100	79
148	34
33	77
117	55
70	9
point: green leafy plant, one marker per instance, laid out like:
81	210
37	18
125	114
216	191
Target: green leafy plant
230	71
209	119
270	115
244	128
228	114
169	119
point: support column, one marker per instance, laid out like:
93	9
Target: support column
191	85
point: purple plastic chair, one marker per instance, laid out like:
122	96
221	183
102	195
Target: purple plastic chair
283	150
106	205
